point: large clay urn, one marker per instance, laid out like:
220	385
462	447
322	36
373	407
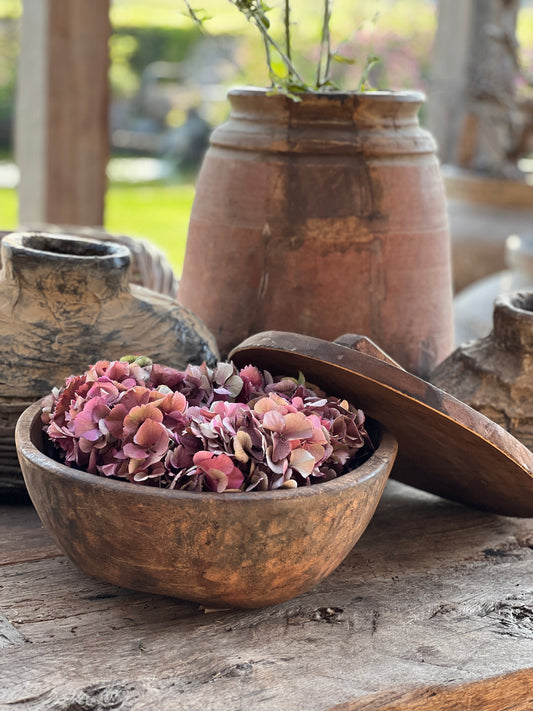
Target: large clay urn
323	216
66	302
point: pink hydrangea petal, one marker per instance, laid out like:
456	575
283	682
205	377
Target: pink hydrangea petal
303	462
265	404
297	426
223	372
174	402
134	451
109	469
140	414
274	421
152	435
317	450
136	465
277	467
280	448
83	423
115	421
252	375
202	459
235	478
91	435
217	480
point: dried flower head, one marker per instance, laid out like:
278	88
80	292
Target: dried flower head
202	429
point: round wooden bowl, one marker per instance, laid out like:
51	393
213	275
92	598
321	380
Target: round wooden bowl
221	550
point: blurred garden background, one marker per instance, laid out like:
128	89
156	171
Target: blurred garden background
169	80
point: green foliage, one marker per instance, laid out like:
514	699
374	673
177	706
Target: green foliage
8	64
140	13
322	46
159	213
10	9
152	43
133	48
524	28
8	209
124	80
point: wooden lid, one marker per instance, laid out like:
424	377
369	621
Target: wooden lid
445	447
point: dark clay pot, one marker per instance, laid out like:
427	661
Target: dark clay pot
494	375
323	216
66	302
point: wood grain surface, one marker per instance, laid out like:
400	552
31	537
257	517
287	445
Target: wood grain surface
433	609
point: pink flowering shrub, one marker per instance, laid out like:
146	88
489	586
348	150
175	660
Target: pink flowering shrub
202	429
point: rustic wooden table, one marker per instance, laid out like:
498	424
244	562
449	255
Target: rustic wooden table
433	609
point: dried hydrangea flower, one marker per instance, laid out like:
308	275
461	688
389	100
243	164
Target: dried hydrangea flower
203	429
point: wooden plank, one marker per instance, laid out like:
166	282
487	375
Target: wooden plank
434	597
492	695
22	537
62	114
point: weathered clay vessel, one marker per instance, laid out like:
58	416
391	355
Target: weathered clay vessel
66	302
323	216
245	549
494	375
149	265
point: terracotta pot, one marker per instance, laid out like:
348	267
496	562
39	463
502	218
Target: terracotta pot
494	375
323	216
222	550
66	302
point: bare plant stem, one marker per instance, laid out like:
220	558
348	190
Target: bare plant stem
324	61
287	19
291	69
192	13
269	59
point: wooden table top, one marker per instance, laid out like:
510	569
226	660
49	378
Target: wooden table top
433	609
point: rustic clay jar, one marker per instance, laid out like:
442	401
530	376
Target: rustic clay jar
66	302
249	549
494	375
323	216
149	264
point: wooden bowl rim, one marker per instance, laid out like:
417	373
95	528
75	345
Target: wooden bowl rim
25	431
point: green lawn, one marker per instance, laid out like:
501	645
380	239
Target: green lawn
159	213
8	209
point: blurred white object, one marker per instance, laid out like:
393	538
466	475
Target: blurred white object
473	306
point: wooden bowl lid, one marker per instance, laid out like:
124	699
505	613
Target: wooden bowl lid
445	447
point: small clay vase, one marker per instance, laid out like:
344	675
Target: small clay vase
66	302
494	375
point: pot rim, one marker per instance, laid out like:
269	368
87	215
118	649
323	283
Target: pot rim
408	95
26	447
48	246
